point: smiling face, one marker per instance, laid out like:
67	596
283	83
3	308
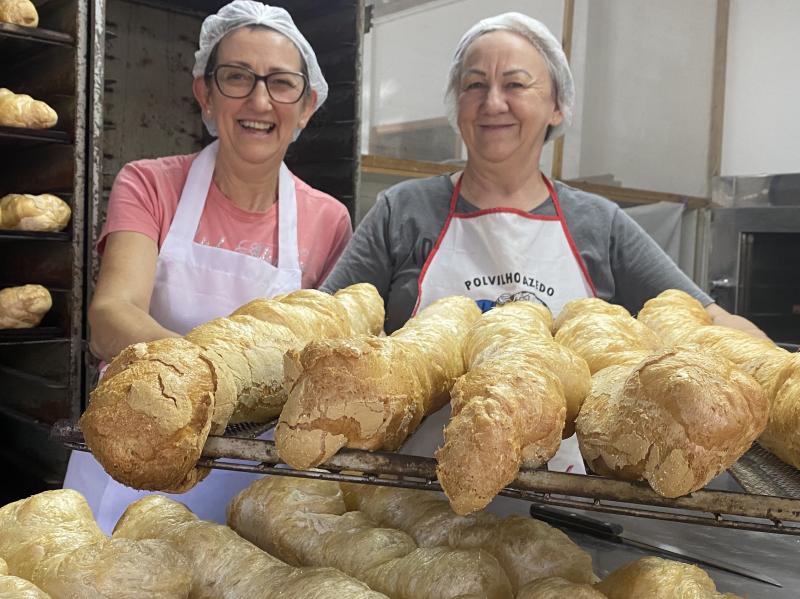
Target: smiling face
255	129
506	99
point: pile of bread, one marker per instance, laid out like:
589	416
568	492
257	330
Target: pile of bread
307	539
668	398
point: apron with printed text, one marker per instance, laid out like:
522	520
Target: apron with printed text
495	256
196	283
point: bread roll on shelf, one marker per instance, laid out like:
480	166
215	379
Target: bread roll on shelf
527	549
19	12
27	212
776	370
52	540
20	110
306	523
672	313
676	420
554	587
223	565
149	417
657	578
23	307
371	392
510	406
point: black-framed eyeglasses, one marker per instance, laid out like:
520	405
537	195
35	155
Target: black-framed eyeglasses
284	87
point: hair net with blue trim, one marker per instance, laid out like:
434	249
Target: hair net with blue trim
544	41
241	13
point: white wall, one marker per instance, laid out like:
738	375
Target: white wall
762	101
647	99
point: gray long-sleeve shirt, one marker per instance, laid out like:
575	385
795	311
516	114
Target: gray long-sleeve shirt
391	244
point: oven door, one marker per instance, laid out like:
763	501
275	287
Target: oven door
754	267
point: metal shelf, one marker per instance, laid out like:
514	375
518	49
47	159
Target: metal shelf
7	234
19	136
9	32
723	509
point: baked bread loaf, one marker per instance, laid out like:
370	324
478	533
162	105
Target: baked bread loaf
672	313
371	392
223	565
52	540
774	368
23	307
676	420
657	578
20	110
605	339
527	549
306	523
149	417
510	406
14	587
26	212
554	587
19	12
587	305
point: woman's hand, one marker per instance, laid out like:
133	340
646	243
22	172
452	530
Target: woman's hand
118	313
720	316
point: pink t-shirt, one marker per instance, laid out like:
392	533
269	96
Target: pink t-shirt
145	197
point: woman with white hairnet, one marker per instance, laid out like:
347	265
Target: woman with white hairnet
191	238
500	230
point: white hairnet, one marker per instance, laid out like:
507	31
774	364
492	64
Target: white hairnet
544	41
241	13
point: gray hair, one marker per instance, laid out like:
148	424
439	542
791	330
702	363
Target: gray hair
545	43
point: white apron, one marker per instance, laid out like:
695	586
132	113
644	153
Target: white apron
194	284
495	256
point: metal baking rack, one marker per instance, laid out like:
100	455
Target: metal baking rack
777	511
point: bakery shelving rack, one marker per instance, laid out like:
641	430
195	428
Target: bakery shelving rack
765	505
41	368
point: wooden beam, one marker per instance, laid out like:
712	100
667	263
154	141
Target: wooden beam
383	165
638	196
566	42
718	89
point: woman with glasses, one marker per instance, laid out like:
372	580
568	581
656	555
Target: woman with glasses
191	238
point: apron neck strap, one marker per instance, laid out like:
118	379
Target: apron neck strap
551	190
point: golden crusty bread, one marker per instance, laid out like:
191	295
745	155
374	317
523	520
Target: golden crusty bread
587	305
604	339
19	12
554	587
371	392
673	313
365	314
510	406
162	392
306	523
770	365
527	549
52	540
20	110
223	565
26	212
657	578
676	420
23	307
149	418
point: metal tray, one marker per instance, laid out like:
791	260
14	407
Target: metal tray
19	136
9	31
725	509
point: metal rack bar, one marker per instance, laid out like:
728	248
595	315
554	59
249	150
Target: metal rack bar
36	34
723	509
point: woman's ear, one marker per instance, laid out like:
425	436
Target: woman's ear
308	109
557	118
202	94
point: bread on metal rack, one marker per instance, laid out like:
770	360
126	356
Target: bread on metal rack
23	307
19	12
20	110
149	417
554	587
520	394
371	392
27	212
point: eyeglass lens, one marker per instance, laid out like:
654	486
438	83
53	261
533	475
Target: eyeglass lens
239	82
